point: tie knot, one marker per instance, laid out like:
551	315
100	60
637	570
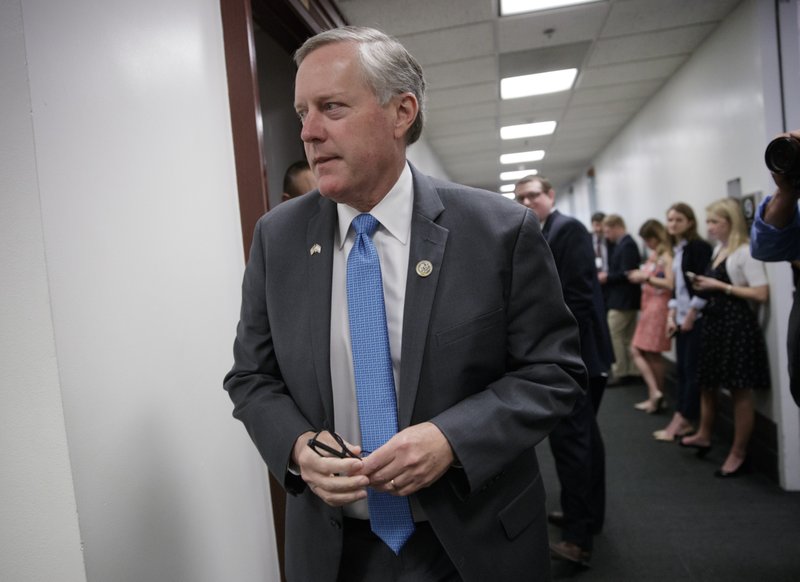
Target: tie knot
365	224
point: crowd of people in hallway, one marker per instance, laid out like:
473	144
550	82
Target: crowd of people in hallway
630	310
704	298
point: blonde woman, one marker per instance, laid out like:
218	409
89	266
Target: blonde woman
651	338
733	354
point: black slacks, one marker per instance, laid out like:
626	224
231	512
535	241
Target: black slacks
365	558
579	455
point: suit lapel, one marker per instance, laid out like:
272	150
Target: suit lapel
550	225
320	268
427	242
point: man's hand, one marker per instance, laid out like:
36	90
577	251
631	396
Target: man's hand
602	276
411	460
336	481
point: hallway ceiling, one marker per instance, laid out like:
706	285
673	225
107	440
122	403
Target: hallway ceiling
625	50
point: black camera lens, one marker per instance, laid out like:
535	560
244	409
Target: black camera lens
783	156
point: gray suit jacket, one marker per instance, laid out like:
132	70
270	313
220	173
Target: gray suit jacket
490	355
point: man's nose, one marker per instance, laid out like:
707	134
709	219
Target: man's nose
312	127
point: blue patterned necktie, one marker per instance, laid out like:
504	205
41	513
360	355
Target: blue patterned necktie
390	516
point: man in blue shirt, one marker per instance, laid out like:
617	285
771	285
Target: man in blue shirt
775	236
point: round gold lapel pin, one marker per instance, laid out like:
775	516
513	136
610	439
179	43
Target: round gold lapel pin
424	268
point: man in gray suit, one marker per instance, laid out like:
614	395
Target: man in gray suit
484	356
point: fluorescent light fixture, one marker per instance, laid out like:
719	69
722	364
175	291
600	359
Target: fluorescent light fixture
537	84
521	157
509	7
527	130
507	188
517	175
510	195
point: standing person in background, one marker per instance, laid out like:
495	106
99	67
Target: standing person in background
775	236
297	180
576	442
599	243
733	353
684	320
651	338
397	396
601	249
623	297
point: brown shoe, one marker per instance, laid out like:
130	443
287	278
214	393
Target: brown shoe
569	552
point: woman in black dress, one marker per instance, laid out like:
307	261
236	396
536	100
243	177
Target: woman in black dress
733	353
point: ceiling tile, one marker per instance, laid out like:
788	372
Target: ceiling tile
451	44
675	41
609	93
569	25
454	74
630	72
413	16
646	15
478	93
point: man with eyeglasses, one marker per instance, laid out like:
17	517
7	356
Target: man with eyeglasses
576	442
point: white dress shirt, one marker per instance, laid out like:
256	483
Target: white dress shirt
391	241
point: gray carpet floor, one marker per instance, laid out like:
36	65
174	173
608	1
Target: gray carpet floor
669	519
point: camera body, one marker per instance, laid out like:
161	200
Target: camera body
783	158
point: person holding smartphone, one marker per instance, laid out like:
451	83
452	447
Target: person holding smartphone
691	256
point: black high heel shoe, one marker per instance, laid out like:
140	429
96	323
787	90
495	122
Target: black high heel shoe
740	470
700	451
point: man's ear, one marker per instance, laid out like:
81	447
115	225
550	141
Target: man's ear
406	111
285	197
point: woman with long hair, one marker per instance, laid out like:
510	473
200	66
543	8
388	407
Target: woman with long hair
650	338
691	255
733	354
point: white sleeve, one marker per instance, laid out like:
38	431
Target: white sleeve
752	270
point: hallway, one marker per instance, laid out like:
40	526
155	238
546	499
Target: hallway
669	519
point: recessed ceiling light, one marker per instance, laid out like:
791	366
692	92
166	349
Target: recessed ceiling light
527	130
521	157
517	175
537	84
507	188
508	7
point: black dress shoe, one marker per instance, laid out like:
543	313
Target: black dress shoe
556	518
740	470
569	552
700	451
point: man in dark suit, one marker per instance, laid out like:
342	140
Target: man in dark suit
576	441
484	353
623	298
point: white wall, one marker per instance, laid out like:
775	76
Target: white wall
710	124
39	539
133	236
421	155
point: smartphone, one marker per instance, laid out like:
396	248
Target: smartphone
690	276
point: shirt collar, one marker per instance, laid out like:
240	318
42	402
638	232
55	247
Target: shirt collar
393	212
